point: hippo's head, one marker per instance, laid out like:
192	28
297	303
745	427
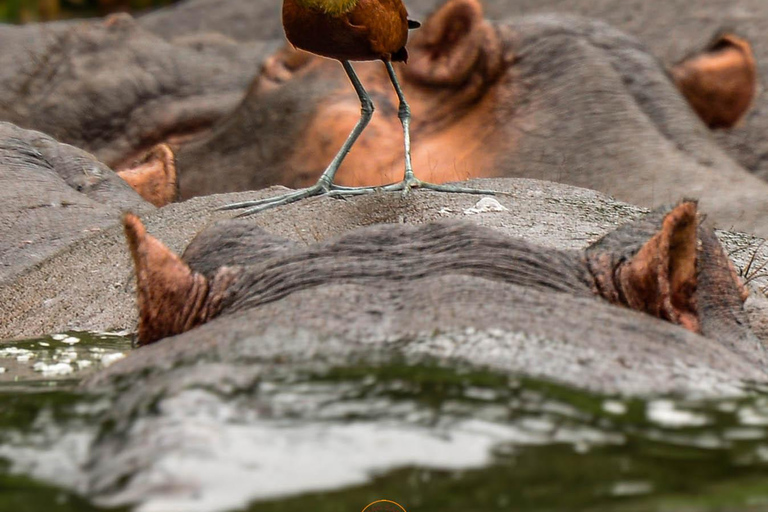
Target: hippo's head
665	264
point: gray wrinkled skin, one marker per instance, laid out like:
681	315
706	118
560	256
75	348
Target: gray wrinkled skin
52	194
114	89
673	30
637	139
89	285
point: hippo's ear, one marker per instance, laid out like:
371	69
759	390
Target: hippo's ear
171	298
453	42
281	66
155	176
719	83
660	279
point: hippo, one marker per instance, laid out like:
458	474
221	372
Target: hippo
548	97
674	31
667	264
653	306
485	83
116	90
54	194
86	283
516	286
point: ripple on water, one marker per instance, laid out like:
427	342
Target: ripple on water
431	436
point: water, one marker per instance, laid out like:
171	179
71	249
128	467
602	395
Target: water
38	396
428	436
57	361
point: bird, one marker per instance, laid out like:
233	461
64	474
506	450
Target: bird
352	30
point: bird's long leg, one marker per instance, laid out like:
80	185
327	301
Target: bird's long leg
366	112
325	184
404	113
410	180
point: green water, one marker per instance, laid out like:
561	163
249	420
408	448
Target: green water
570	450
35	385
611	455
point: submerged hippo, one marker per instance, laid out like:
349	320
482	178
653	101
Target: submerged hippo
116	90
653	306
394	280
300	314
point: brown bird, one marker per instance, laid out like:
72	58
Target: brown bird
348	30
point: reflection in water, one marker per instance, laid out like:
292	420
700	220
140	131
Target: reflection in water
428	436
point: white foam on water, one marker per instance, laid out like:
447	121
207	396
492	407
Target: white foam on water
109	359
665	413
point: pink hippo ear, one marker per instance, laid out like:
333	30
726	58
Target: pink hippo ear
454	42
719	83
172	298
155	176
661	277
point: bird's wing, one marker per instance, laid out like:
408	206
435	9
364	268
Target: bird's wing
386	22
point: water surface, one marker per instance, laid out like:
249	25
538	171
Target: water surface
430	436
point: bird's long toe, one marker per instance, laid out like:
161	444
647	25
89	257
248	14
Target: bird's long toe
269	202
407	184
259	205
454	189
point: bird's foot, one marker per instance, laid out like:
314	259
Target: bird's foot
412	182
318	189
321	189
